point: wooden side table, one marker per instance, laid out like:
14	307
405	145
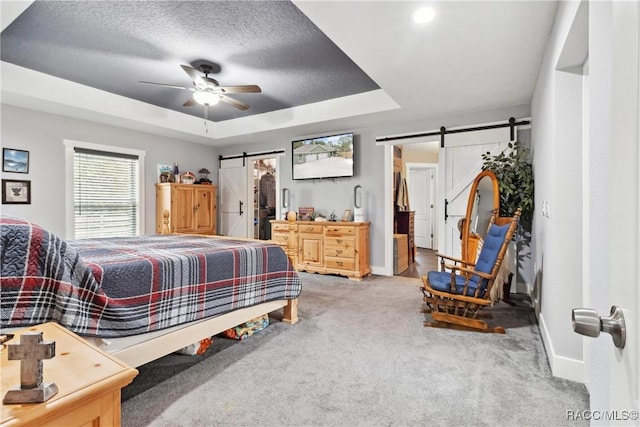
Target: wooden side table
89	382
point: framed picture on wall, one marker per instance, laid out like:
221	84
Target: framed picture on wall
16	161
16	192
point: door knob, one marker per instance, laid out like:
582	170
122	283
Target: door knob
586	321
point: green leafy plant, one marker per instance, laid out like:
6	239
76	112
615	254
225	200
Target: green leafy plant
514	171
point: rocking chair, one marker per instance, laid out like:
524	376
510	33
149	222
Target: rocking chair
455	297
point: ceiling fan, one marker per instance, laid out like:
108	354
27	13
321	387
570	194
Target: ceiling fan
207	91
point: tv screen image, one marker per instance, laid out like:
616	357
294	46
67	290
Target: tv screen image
323	157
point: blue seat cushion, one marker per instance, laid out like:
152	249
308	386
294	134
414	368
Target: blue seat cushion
441	281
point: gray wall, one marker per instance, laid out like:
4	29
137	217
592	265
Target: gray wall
327	195
42	134
337	194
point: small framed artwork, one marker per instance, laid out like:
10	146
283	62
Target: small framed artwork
16	192
346	216
165	172
16	161
305	214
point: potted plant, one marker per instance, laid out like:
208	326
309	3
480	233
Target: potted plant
514	172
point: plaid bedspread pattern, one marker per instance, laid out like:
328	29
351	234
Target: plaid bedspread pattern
117	287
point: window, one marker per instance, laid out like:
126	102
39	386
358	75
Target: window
106	191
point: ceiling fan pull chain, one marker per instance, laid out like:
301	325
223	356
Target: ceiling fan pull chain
206	117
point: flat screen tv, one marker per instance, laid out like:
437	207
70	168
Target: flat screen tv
323	157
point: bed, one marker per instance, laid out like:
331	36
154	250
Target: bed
140	298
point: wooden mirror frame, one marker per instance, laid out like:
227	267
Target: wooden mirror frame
470	240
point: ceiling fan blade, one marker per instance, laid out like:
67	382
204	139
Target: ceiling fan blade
190	102
198	80
239	105
241	89
165	85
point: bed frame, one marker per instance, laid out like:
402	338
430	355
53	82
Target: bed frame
137	350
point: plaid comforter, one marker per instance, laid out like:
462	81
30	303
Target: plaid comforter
117	287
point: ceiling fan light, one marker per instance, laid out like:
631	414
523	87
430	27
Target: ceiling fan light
206	98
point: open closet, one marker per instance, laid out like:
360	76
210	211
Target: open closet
264	197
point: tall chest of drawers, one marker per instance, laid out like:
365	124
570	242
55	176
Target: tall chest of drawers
405	225
326	247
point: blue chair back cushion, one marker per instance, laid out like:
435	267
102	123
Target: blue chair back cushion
441	281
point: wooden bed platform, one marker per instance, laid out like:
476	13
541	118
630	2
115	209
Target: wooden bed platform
137	350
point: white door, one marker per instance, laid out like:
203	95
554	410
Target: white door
233	198
614	155
421	186
458	164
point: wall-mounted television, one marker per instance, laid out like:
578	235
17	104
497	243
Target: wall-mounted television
323	157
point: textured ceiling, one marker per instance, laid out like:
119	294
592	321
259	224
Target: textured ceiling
323	66
113	45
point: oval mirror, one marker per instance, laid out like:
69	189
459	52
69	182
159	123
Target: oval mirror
484	198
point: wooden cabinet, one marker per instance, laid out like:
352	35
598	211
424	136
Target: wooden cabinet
191	208
326	247
405	225
310	245
89	383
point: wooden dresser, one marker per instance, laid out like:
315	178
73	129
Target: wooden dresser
405	225
192	208
325	247
89	383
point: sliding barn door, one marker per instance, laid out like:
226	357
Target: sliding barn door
234	206
458	164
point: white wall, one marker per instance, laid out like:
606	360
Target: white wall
557	140
42	134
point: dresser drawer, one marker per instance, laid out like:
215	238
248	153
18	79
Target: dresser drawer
340	263
281	238
309	228
344	247
338	230
282	226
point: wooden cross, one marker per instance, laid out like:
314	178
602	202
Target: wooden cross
31	351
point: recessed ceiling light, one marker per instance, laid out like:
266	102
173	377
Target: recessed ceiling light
424	15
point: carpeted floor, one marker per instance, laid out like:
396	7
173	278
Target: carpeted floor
360	357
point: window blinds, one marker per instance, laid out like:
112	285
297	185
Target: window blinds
106	189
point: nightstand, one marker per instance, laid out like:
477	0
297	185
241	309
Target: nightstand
88	379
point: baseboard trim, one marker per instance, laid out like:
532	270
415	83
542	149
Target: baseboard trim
380	271
562	367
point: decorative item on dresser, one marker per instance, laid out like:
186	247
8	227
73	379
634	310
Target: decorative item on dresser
325	247
405	225
89	382
192	208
